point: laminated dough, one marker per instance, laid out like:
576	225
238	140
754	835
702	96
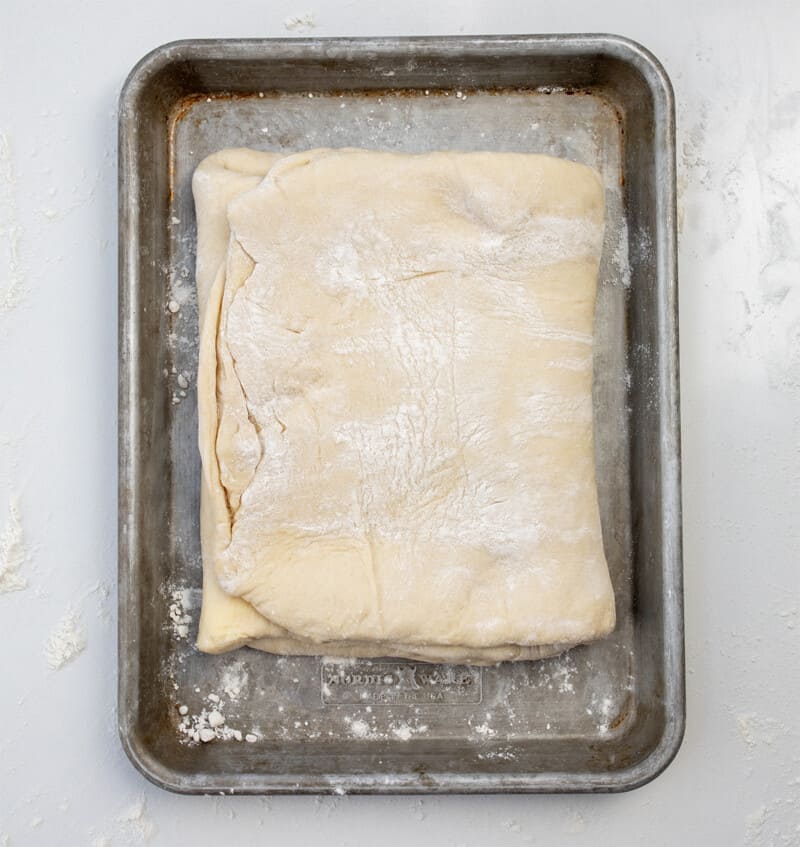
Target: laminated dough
395	412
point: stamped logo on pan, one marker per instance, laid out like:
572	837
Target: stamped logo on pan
389	683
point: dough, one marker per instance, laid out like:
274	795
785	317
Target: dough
395	404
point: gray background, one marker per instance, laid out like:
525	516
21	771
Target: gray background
63	776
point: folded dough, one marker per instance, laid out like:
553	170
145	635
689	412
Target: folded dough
394	396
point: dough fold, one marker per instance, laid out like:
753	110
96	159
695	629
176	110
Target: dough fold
395	410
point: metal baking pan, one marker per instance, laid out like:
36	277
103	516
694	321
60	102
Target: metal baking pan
603	717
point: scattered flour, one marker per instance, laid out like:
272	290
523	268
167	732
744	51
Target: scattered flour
775	820
181	288
183	380
756	730
603	709
12	280
12	550
403	732
620	261
101	593
754	825
210	723
234	680
179	612
66	641
558	673
135	822
502	755
300	23
789	617
359	728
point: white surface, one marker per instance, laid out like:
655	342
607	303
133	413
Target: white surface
63	776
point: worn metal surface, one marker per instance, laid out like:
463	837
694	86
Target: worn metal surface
607	716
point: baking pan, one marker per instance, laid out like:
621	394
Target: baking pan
603	717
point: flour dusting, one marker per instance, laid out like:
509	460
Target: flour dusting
101	592
12	279
359	728
559	674
603	710
397	730
13	553
66	641
234	680
619	257
302	22
756	730
754	825
403	732
135	821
